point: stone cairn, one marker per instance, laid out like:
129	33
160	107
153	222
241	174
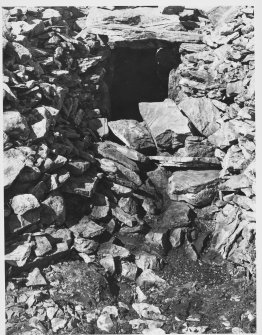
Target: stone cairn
185	176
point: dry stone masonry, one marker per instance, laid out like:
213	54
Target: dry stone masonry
105	206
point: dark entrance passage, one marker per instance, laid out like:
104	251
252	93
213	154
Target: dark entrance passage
139	75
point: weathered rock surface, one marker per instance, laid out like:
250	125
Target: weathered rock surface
14	161
202	113
133	134
164	116
194	186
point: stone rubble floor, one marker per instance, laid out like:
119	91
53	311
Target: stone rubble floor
197	298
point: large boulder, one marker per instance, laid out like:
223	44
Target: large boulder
133	133
202	113
165	122
177	215
197	187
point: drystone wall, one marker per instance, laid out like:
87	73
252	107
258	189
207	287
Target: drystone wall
223	74
119	195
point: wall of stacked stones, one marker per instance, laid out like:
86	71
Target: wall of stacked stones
222	71
55	102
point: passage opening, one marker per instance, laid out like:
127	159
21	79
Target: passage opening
139	75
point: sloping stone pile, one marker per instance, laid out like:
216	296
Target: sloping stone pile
54	108
222	71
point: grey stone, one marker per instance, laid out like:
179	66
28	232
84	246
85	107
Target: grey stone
15	125
128	270
84	245
148	278
87	228
133	133
19	255
14	161
43	245
23	203
83	185
176	237
124	217
202	113
163	116
115	250
35	278
54	207
194	186
109	150
128	205
145	260
108	264
178	214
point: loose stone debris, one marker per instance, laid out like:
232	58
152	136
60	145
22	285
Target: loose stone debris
135	218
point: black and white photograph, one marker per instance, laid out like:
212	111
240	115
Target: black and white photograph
129	168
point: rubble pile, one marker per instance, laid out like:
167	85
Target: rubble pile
220	79
94	207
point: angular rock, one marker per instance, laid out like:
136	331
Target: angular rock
58	323
128	205
177	215
120	189
43	118
19	256
235	182
54	208
84	185
145	260
235	88
133	133
159	178
23	203
194	186
83	245
128	270
87	228
100	126
115	250
109	150
15	125
101	206
108	264
35	278
157	237
130	153
124	217
43	245
14	161
171	10
23	55
224	136
202	113
163	116
176	237
149	278
187	162
120	175
105	323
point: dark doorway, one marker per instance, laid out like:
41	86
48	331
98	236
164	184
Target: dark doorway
139	75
